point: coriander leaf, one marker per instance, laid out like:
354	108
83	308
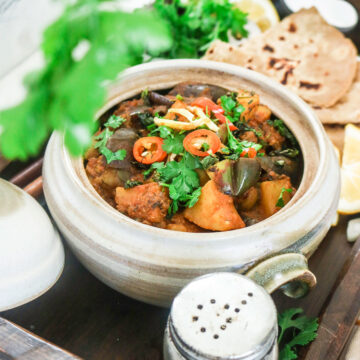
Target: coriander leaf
174	144
227	103
284	131
287	354
301	329
163	131
102	138
207	161
280	202
111	156
239	146
154	166
193	198
114	122
204	146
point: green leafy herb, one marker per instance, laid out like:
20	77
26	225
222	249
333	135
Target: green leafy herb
114	121
182	181
68	91
239	146
291	153
283	130
179	97
205	146
132	183
163	132
102	139
207	161
280	202
174	144
301	329
154	166
232	110
196	23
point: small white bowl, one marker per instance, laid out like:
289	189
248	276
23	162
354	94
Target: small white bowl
152	264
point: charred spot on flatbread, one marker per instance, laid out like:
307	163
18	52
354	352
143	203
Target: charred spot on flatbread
269	48
309	85
292	28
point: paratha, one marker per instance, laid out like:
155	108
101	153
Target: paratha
302	52
347	109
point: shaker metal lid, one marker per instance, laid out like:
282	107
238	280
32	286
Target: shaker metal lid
223	316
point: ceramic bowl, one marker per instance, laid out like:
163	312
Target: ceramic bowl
152	264
31	252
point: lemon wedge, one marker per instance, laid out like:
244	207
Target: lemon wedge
350	172
262	12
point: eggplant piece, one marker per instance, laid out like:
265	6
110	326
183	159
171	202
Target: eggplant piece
281	165
235	177
196	89
122	139
139	110
158	99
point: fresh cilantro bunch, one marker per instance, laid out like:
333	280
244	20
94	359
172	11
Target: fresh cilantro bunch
196	23
295	331
181	179
68	91
101	140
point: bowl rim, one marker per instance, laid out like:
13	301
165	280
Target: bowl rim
289	210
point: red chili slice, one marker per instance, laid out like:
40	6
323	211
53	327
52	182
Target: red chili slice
194	141
217	110
148	150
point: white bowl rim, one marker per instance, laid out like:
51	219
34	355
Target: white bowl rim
290	209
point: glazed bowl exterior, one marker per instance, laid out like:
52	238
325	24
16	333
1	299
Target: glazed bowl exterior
152	264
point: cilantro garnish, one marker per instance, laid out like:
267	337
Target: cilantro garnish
207	161
162	131
205	146
300	329
182	180
291	153
174	144
283	130
104	136
154	166
280	202
114	122
239	146
232	110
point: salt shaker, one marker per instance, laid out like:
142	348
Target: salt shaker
222	316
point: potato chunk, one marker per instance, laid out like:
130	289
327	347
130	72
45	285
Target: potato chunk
146	203
214	210
270	192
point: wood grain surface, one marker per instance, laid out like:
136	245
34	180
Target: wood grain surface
17	343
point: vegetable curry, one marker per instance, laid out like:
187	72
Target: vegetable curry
196	158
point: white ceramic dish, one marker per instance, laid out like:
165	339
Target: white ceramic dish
31	252
153	264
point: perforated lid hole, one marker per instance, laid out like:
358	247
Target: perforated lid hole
212	301
216	336
250	294
237	310
223	327
203	329
199	307
227	306
195	318
228	320
244	302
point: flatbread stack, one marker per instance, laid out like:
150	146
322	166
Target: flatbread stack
308	56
